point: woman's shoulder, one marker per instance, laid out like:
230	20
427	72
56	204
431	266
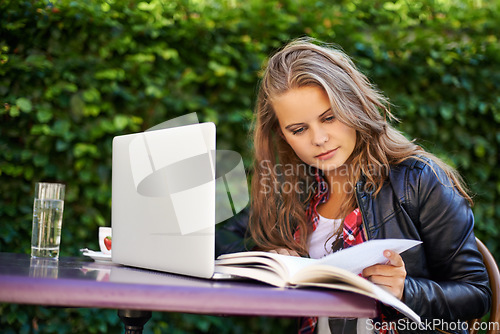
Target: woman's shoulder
419	169
417	164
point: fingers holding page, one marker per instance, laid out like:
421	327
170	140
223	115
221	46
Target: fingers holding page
390	276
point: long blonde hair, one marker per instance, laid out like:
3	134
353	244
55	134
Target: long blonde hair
278	206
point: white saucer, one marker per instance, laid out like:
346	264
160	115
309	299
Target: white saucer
97	256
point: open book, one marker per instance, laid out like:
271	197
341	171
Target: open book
339	270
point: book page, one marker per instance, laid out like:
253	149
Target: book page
357	258
252	260
283	265
353	259
339	270
258	273
325	276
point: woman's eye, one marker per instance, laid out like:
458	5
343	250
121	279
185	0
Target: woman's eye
330	118
298	131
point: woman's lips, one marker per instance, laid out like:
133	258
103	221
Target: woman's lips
327	155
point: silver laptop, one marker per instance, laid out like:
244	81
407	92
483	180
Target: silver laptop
163	200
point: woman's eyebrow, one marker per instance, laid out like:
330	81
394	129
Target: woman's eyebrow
326	112
295	124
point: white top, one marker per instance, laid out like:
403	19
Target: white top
320	240
320	243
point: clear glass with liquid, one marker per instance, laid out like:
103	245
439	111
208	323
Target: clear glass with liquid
48	210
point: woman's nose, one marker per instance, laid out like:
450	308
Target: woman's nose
319	136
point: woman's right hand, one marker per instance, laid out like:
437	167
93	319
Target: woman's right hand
284	251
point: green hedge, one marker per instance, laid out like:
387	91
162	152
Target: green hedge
74	74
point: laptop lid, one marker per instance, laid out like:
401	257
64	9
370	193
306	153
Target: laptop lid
163	200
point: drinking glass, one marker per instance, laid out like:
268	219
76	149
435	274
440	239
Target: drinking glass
47	220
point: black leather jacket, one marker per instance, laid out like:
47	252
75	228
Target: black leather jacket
446	278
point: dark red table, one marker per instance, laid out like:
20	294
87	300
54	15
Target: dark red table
81	282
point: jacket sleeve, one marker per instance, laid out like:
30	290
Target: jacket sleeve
457	286
232	236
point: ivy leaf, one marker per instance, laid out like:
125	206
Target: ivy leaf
24	104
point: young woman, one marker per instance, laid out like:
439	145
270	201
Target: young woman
331	172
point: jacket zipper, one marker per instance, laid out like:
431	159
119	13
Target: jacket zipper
358	201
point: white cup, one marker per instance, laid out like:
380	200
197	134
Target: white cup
105	245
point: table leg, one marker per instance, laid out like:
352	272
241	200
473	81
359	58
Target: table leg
134	320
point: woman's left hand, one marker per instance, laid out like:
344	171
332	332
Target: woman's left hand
390	276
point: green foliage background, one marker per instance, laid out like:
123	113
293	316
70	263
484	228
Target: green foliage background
74	74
